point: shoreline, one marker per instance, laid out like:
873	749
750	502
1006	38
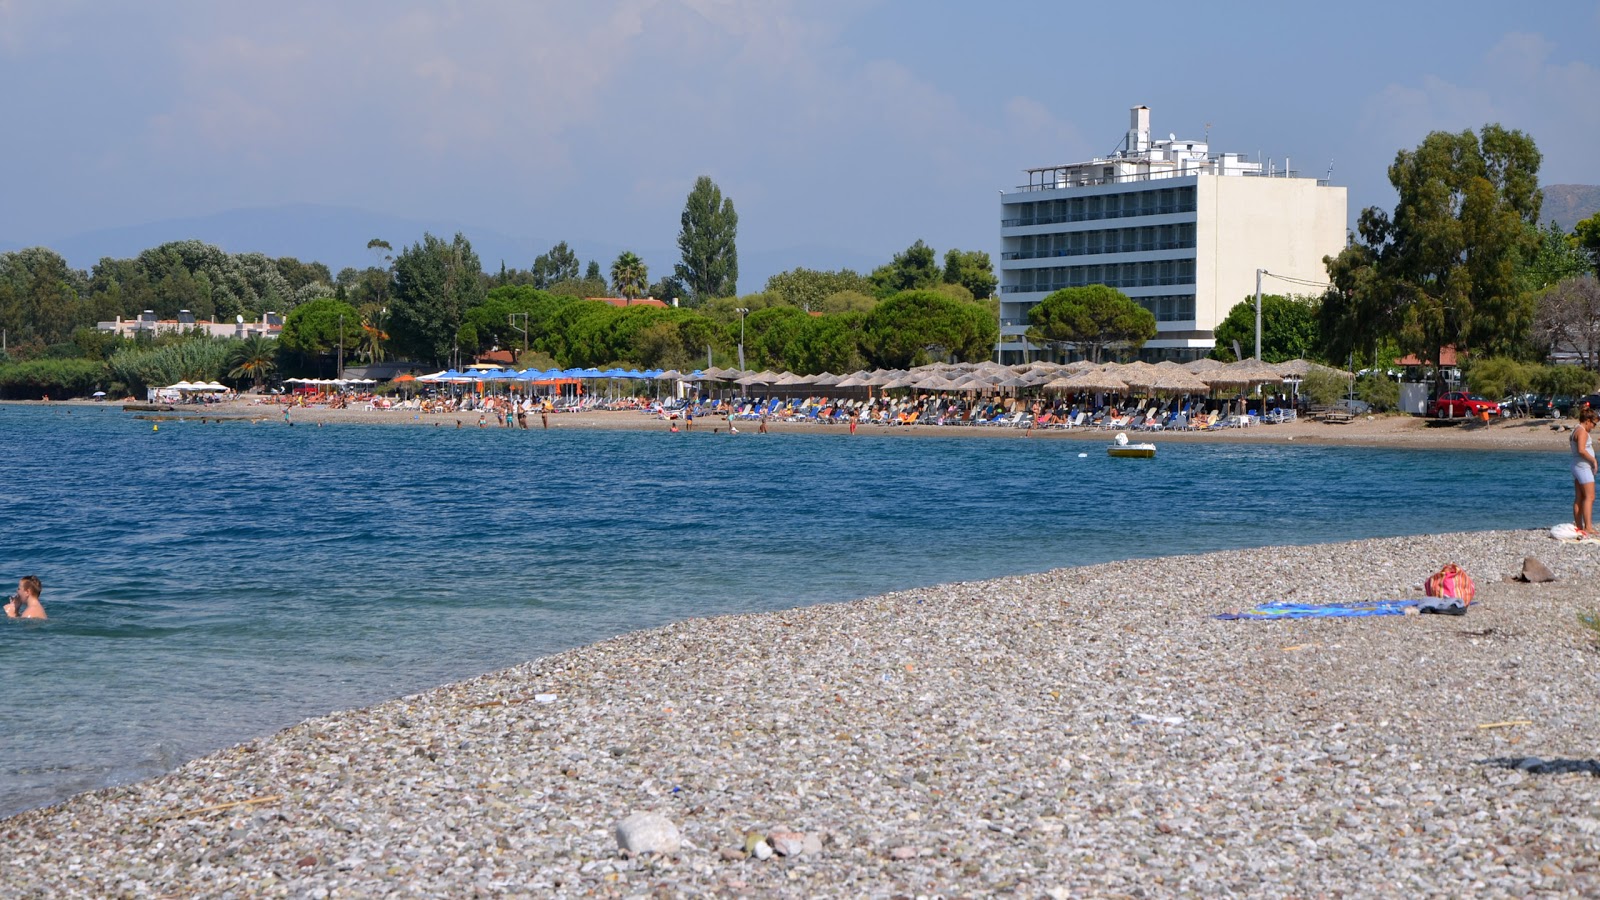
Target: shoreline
1083	730
1379	431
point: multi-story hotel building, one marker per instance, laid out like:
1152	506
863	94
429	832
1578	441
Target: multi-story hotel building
1179	230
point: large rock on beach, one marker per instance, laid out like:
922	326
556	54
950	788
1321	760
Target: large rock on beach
648	833
1535	572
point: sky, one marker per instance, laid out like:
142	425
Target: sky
843	131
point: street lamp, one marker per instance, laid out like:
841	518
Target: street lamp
341	346
511	320
742	311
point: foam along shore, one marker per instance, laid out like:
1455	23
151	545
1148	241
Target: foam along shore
1375	431
1084	731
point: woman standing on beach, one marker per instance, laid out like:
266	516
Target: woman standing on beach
1583	469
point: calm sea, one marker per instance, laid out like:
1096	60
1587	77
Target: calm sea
210	583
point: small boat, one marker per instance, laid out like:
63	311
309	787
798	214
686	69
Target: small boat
1120	448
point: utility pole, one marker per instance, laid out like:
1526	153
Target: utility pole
511	320
1259	273
742	311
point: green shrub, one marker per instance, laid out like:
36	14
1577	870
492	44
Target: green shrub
1379	390
59	378
1324	387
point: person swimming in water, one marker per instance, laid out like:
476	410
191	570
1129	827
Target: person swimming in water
24	604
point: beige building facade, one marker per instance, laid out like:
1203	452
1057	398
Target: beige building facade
1179	230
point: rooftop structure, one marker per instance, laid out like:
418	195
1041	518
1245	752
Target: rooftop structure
270	325
1177	228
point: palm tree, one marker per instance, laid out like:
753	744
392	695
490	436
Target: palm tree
629	277
255	358
372	338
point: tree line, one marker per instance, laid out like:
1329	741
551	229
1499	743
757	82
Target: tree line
432	303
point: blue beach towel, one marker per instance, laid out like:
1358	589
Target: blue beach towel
1285	609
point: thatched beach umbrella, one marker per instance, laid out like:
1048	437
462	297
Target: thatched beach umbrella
1096	382
1203	365
936	383
1138	375
882	377
1245	373
1177	381
850	381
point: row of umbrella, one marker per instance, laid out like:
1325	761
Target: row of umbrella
472	376
335	382
195	386
1197	377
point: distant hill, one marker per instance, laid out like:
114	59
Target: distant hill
1569	204
337	236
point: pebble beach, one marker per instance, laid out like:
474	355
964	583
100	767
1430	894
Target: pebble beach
1081	732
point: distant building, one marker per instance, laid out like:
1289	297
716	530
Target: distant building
624	301
1176	228
270	325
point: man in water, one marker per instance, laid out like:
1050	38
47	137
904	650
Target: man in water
24	603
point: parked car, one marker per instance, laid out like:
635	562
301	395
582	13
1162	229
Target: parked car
1562	404
1530	405
1359	407
1461	405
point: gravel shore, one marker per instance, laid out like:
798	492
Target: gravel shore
1082	732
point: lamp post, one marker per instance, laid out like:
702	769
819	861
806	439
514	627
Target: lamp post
1259	273
341	347
511	320
742	311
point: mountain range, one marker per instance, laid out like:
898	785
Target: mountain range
338	236
1569	204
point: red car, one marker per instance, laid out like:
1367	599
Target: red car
1461	405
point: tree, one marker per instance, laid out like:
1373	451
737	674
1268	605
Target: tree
1555	256
560	264
767	335
320	327
668	289
1288	329
973	270
915	269
629	275
1443	270
1092	320
710	265
593	273
915	327
1567	320
806	288
1587	236
255	358
435	283
829	343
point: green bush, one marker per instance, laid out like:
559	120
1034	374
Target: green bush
59	378
1379	390
1496	376
1324	387
196	359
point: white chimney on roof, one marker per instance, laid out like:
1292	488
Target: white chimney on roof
1138	130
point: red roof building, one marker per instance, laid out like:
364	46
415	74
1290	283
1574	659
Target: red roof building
624	301
1447	359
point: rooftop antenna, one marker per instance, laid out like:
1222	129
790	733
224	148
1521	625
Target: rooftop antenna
1208	132
1329	177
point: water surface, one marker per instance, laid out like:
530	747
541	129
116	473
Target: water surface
210	583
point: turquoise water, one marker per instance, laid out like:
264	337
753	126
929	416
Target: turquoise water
210	583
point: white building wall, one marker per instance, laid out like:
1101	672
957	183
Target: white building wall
1283	225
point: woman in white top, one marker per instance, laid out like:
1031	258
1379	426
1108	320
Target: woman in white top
1583	470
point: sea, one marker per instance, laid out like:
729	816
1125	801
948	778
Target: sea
210	583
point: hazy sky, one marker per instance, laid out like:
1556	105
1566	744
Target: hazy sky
834	126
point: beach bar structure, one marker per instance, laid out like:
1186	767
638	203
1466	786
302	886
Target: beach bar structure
1178	229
